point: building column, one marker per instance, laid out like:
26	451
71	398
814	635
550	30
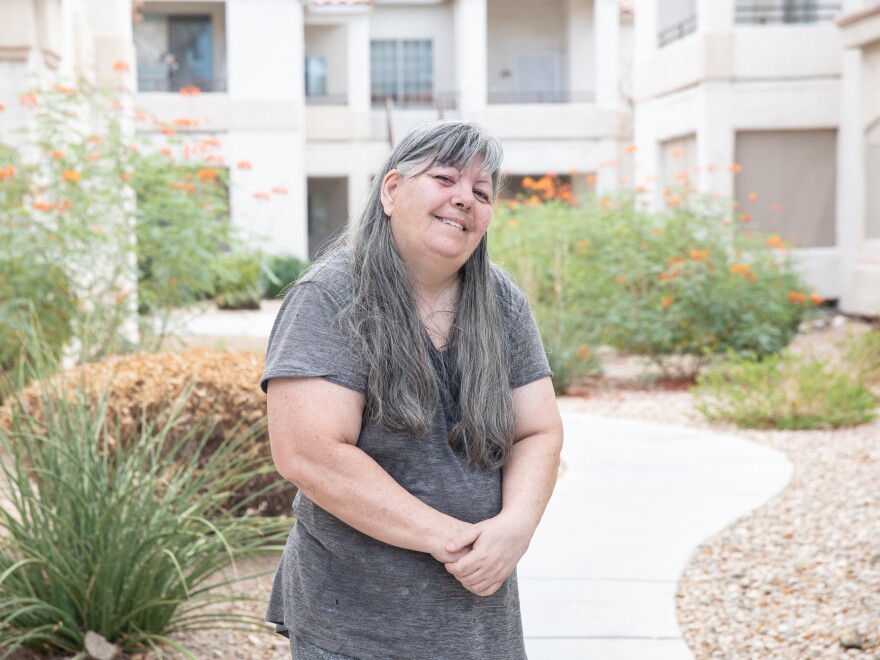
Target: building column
850	204
358	64
716	139
606	37
581	60
471	37
715	15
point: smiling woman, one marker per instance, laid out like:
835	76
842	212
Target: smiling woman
409	400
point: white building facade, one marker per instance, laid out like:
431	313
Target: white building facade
771	103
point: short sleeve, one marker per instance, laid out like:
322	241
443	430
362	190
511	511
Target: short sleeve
528	360
308	339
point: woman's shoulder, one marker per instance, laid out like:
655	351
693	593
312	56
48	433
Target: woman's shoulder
508	291
331	273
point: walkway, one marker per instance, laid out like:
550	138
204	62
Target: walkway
634	502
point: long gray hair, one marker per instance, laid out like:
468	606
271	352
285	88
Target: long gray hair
402	392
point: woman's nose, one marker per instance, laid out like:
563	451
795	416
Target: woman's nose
463	197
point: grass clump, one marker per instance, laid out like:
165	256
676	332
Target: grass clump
783	392
113	533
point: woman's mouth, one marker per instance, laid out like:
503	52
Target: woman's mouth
451	223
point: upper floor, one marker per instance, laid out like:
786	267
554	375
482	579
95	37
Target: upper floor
362	69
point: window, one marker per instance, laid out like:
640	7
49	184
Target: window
316	76
784	11
402	70
175	52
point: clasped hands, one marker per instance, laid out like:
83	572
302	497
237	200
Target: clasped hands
482	556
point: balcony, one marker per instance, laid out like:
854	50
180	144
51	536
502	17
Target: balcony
785	12
170	83
542	96
677	30
416	101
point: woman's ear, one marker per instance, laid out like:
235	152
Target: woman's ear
390	184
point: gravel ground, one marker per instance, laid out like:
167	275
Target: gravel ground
793	579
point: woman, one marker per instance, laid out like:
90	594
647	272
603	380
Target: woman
410	401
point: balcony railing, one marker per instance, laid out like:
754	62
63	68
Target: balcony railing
677	31
770	13
552	96
327	99
440	100
175	84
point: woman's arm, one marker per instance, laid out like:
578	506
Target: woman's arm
527	482
313	429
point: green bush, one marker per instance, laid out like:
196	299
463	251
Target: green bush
783	392
863	357
130	544
283	271
238	282
680	282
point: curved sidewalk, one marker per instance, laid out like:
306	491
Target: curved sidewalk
633	503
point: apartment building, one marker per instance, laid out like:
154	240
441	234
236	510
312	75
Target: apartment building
773	103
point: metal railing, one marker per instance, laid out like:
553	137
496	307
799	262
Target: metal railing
677	31
786	13
327	99
440	100
175	84
552	96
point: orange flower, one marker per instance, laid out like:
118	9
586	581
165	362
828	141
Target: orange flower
776	208
190	90
667	276
640	189
512	204
94	139
666	302
57	154
676	153
528	182
121	66
745	217
631	149
207	175
65	205
70	91
261	195
775	241
125	176
210	142
674	200
7	172
121	296
567	196
591	179
753	197
620	279
605	203
140	115
583	353
534	200
2	107
166	151
681	176
43	206
244	165
185	122
699	255
797	297
740	269
28	99
167	130
71	176
279	190
216	160
736	168
582	246
93	156
816	299
675	261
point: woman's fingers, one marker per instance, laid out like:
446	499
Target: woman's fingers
464	539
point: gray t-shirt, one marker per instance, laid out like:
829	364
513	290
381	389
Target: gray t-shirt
346	592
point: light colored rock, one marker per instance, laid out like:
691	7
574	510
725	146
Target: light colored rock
99	648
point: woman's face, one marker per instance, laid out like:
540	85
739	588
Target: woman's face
438	217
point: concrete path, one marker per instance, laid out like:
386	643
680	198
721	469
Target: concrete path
634	501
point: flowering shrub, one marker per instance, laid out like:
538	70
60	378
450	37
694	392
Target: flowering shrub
684	281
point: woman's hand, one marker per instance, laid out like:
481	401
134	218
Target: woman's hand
496	545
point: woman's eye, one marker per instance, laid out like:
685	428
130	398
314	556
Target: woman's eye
443	177
482	195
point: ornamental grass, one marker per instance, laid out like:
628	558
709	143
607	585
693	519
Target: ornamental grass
131	544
